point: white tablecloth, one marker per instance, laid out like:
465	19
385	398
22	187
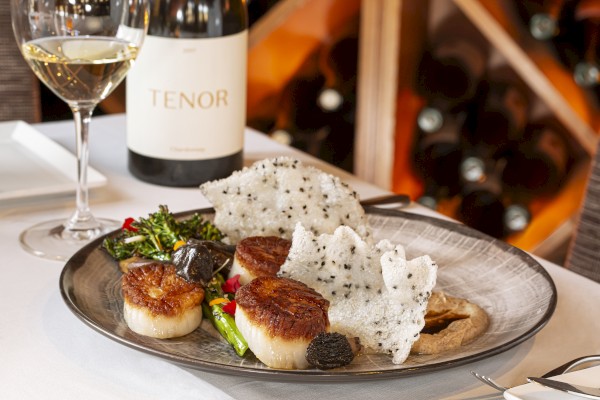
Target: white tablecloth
48	353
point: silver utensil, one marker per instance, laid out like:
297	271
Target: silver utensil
400	200
564	368
576	390
489	381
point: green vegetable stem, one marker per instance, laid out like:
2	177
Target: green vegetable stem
222	321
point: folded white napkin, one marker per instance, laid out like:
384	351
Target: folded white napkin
533	391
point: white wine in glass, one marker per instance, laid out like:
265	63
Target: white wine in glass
81	50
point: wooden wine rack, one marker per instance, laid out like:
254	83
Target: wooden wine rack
383	155
393	34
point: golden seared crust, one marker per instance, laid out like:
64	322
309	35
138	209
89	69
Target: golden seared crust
159	289
450	322
284	307
262	255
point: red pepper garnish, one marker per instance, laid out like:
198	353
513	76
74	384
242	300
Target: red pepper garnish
127	225
229	308
232	284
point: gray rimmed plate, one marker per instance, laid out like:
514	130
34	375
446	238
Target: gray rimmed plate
511	286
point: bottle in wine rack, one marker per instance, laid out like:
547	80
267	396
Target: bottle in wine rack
501	112
186	95
432	194
545	21
553	21
300	122
482	205
437	157
541	161
517	214
487	205
450	69
587	71
338	63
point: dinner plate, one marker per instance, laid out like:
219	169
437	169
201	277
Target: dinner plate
31	164
514	289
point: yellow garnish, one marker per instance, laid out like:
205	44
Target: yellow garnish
218	300
178	244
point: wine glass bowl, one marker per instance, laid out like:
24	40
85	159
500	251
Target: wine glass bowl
81	50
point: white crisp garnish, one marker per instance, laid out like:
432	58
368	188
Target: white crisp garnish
375	293
272	195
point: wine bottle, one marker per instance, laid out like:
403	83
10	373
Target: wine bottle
487	204
186	95
587	71
454	62
338	64
553	21
544	22
450	70
541	161
300	122
482	206
501	112
438	154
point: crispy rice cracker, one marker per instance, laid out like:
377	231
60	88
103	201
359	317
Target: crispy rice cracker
375	293
271	196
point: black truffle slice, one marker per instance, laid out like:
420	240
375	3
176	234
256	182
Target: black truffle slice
331	350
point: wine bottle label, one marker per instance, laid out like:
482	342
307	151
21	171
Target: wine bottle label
186	98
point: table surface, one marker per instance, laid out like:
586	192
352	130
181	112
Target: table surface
47	352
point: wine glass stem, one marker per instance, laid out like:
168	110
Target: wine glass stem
82	219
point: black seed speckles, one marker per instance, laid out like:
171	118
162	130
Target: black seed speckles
347	266
409	275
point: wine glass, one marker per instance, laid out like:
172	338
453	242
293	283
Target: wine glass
81	50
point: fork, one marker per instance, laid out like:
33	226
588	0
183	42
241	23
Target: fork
556	371
489	381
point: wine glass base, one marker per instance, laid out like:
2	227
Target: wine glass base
50	239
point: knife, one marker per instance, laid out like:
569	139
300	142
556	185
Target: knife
576	390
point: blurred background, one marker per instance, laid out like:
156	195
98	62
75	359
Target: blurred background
485	110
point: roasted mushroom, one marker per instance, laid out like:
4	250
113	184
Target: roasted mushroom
197	260
332	350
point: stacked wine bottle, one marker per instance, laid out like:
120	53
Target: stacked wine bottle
572	29
476	140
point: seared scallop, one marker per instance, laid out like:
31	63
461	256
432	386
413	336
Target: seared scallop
279	317
159	303
259	256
